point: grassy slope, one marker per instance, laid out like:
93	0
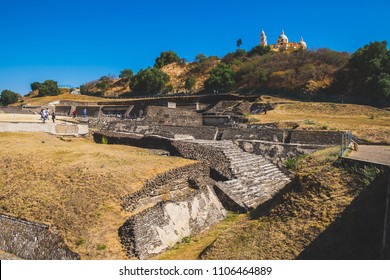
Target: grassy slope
37	101
366	122
74	185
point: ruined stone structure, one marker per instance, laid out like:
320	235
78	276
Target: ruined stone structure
173	205
32	240
160	227
239	167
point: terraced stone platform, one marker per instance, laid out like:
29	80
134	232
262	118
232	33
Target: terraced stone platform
256	180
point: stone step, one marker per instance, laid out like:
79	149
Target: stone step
256	172
246	161
255	200
242	157
252	164
234	153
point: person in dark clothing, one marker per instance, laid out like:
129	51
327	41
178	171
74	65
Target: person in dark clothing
53	116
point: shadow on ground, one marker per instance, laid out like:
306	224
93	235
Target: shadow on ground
357	234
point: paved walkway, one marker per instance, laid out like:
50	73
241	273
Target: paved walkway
372	153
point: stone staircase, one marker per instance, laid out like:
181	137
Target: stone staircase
255	179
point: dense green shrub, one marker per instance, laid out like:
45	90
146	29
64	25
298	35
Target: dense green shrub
49	88
8	97
166	58
221	78
149	81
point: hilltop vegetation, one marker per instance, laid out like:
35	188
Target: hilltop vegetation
325	74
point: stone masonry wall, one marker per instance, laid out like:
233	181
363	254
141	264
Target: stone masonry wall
272	135
277	153
168	222
32	240
284	136
316	137
170	116
169	131
165	183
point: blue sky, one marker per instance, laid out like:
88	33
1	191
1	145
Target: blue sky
76	41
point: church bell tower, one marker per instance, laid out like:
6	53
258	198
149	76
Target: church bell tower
263	39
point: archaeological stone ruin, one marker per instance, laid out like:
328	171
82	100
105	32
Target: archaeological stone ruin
240	167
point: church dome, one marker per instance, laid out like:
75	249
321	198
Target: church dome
302	44
283	36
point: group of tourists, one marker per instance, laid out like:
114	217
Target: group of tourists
74	113
46	113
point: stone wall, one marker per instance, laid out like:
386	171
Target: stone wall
160	227
316	137
277	153
63	110
284	136
255	133
165	184
92	111
48	127
200	132
143	127
170	116
32	240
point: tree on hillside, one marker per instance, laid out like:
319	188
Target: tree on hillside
190	83
149	81
200	58
239	43
126	74
8	97
221	78
49	87
203	64
259	50
235	57
104	83
166	58
35	86
368	73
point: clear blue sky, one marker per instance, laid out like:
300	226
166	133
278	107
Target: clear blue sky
76	41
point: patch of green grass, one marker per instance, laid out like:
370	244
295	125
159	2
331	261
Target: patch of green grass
293	163
80	241
101	247
104	140
309	122
186	239
366	174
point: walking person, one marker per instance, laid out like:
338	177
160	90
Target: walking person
85	113
53	116
74	114
43	116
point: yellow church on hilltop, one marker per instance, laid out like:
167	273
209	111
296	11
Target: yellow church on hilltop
283	44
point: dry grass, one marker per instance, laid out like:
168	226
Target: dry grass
368	123
321	194
39	101
75	185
